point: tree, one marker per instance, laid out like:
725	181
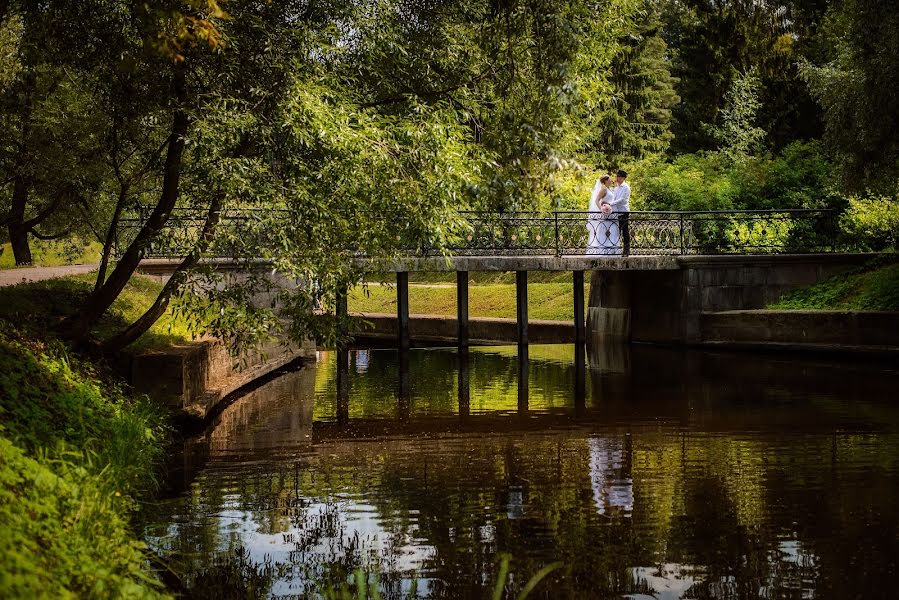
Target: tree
48	150
737	134
644	92
334	122
856	91
712	40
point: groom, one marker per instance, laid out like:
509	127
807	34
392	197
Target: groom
621	204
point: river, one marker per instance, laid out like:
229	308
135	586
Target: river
645	473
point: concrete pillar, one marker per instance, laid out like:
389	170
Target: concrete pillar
462	308
521	303
402	308
340	311
609	314
579	323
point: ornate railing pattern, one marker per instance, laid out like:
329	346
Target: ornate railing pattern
561	233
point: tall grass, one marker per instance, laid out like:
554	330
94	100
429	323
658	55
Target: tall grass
76	454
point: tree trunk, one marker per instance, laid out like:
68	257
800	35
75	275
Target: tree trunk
18	229
78	326
146	320
110	237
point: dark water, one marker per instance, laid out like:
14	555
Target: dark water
649	474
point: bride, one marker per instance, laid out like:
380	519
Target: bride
603	235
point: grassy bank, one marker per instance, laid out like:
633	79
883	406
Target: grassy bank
550	295
38	308
76	454
873	287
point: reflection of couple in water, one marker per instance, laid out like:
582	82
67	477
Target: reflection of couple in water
607	225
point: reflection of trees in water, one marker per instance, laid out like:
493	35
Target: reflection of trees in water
721	504
740	509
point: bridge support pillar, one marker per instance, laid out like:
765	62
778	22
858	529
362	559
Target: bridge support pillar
402	308
462	308
580	329
521	304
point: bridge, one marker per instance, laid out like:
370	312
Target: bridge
678	264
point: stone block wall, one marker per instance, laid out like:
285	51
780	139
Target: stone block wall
666	306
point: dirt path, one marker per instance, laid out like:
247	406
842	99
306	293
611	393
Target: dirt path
26	274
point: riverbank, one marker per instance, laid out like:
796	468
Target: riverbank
79	453
77	457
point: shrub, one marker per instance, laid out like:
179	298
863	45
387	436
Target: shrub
872	223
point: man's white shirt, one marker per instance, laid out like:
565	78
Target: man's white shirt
621	199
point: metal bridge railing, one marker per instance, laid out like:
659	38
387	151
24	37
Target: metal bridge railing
560	233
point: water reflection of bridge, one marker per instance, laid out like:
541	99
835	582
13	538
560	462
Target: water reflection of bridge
429	394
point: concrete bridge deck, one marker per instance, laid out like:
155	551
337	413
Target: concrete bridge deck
642	298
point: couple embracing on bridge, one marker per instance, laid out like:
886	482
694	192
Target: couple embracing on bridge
607	225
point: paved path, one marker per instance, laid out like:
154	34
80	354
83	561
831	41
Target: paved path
26	274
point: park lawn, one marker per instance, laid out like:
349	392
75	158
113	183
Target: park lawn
551	301
38	307
54	254
873	287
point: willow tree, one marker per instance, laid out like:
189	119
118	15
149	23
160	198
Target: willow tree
344	127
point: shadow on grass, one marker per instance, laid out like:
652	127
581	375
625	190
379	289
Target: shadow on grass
38	308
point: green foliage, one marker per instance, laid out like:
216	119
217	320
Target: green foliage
50	402
687	182
64	533
799	177
855	87
872	222
737	135
874	287
638	123
713	42
74	452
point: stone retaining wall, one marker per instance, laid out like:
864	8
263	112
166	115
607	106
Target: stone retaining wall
808	329
482	330
195	377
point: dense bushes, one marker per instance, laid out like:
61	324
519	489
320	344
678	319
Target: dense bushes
74	451
799	177
872	222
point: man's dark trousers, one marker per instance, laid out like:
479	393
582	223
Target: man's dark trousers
625	233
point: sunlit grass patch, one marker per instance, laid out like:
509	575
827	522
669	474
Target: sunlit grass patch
40	306
75	454
874	287
54	254
552	300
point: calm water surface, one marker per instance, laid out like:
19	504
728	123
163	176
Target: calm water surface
647	473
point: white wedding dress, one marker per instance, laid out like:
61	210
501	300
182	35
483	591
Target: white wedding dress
603	235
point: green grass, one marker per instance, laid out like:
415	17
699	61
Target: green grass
39	306
873	287
75	455
54	254
552	300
